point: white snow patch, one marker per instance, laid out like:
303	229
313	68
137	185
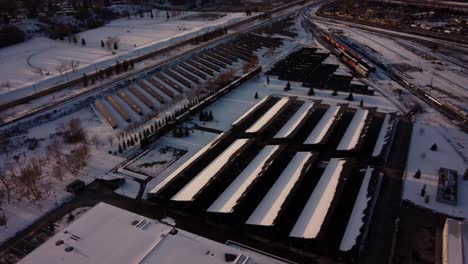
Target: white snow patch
354	130
355	222
226	202
267	211
190	190
321	129
268	116
295	120
384	135
311	219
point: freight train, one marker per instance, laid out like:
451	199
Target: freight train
360	65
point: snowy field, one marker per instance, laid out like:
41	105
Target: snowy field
20	63
21	212
421	157
232	106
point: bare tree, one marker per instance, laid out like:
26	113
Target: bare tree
112	41
77	159
73	64
96	141
74	132
57	172
39	71
61	67
29	178
7	184
111	139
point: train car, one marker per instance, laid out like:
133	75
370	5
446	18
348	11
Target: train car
363	71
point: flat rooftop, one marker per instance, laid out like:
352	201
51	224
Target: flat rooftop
107	234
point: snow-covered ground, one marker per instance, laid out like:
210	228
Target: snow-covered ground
21	212
20	63
438	73
447	156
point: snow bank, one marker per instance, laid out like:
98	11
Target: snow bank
354	131
228	199
356	220
267	211
190	190
311	219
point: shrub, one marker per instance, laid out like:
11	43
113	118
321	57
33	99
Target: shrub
11	35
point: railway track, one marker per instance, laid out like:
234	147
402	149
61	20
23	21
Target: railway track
442	108
150	68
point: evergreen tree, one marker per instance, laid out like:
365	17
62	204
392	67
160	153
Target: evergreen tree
350	97
210	116
102	44
288	86
268	79
335	92
256	95
311	91
120	149
116	46
426	199
151	14
186	132
434	147
423	191
85	80
417	175
201	116
361	104
167	15
124	145
83	42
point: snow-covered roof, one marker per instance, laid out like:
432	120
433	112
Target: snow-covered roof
104	234
455	242
296	120
107	234
190	190
313	215
228	199
272	113
251	110
267	211
356	221
384	135
320	130
353	132
189	162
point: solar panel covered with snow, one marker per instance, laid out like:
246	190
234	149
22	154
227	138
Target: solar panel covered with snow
319	132
356	220
295	121
187	164
353	132
269	208
384	135
311	219
227	201
269	116
250	111
190	191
